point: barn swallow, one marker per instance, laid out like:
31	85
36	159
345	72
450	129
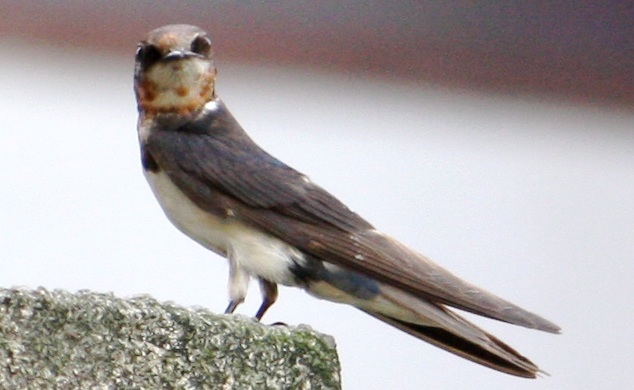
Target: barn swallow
274	224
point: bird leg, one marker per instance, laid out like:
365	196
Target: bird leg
269	296
232	307
238	285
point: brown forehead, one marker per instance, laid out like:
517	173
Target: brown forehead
173	35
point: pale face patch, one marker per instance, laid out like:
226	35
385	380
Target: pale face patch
178	86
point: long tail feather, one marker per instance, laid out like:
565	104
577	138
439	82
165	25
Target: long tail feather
497	355
445	329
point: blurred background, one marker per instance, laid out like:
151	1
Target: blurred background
496	139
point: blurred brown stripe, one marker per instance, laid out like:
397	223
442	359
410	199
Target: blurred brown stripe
579	51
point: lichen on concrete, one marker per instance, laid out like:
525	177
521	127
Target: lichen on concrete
55	339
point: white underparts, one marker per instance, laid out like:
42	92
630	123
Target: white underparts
250	251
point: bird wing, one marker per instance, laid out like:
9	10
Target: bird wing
225	170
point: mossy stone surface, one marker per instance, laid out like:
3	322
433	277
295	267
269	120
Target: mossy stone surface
55	339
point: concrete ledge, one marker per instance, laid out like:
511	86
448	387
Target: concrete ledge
55	339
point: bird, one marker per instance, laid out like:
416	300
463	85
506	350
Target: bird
276	226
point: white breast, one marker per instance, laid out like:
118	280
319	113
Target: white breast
258	253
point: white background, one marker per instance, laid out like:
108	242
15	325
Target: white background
529	198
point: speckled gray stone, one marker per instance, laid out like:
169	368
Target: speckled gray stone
59	340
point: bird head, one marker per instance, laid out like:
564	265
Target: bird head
174	71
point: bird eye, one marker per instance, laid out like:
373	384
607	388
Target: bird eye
147	54
201	45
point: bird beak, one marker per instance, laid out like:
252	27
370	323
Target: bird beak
176	55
